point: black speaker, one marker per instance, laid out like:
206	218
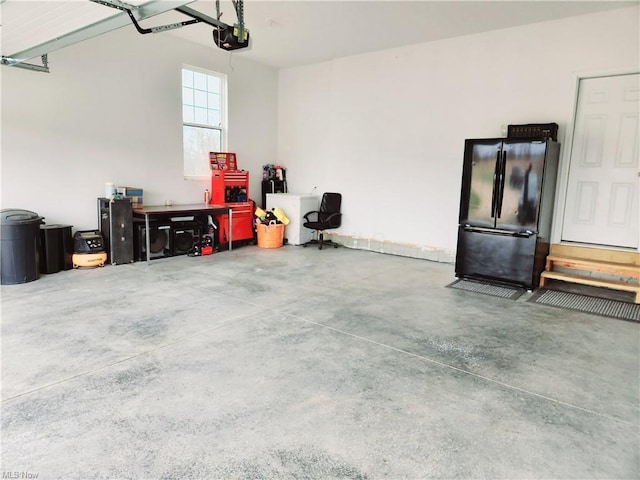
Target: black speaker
56	248
116	226
185	237
159	241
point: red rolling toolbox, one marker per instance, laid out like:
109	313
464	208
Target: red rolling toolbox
231	188
242	223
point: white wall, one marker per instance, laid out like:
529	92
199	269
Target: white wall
110	110
387	129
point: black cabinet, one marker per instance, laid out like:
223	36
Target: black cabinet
116	225
272	186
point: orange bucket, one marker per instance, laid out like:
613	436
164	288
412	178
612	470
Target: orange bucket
270	236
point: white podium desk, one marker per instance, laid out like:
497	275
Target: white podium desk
294	207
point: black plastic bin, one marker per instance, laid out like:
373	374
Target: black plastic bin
19	246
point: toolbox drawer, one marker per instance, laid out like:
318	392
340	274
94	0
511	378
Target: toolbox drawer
242	223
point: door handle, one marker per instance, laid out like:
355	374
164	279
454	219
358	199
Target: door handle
498	231
496	172
501	191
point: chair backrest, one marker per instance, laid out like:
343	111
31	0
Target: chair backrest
331	203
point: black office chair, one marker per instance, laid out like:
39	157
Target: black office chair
328	217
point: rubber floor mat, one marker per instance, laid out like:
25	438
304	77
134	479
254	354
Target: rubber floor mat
588	304
486	288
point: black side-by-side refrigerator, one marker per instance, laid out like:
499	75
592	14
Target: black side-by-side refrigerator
506	208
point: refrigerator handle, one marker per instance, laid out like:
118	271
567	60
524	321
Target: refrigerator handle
498	231
494	192
503	170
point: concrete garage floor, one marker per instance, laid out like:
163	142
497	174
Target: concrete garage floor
299	363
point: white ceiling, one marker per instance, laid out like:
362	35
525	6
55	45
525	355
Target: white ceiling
293	33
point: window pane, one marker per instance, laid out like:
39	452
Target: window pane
201	116
200	99
213	118
200	81
187	96
187	114
213	101
187	78
197	143
214	84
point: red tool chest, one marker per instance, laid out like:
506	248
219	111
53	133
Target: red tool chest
242	223
231	188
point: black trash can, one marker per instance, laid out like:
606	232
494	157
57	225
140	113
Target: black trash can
19	246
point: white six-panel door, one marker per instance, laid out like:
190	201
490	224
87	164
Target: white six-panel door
602	192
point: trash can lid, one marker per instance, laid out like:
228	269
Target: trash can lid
13	216
55	226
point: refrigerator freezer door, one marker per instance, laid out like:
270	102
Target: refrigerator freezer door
522	170
480	172
499	257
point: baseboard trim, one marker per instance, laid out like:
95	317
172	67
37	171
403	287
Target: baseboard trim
411	250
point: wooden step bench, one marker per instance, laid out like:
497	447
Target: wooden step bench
613	268
594	282
586	260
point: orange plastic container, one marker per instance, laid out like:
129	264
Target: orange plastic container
270	236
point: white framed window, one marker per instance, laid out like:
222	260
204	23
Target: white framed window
204	106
